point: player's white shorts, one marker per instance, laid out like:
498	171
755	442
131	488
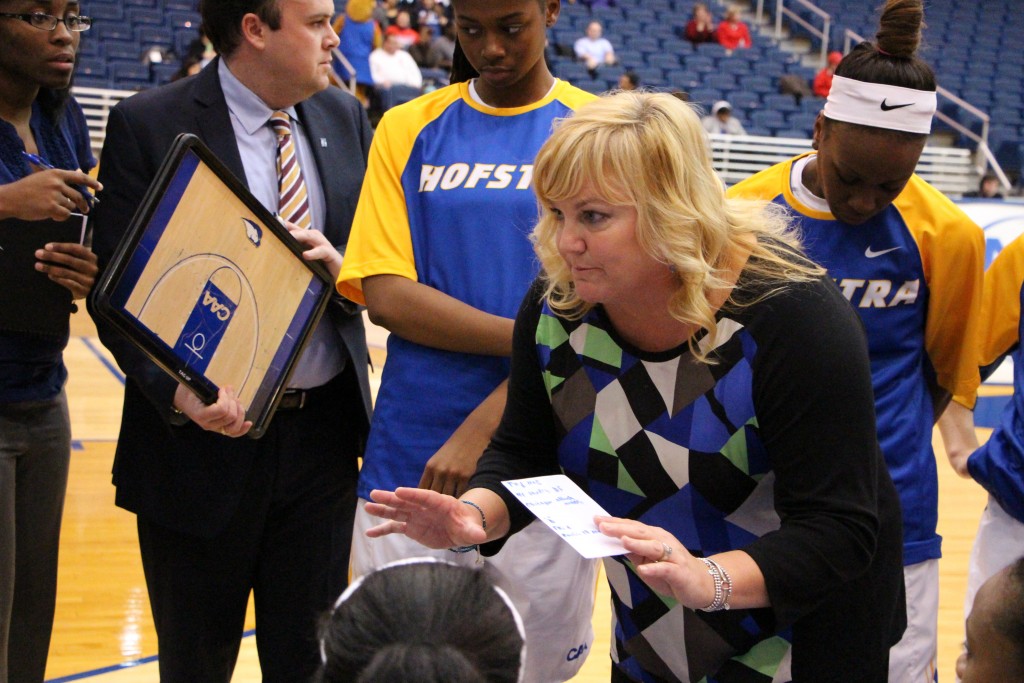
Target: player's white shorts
549	583
1000	541
914	658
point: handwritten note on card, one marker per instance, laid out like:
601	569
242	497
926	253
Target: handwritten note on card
568	511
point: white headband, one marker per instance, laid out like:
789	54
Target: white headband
882	106
354	586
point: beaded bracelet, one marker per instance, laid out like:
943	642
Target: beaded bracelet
723	585
483	523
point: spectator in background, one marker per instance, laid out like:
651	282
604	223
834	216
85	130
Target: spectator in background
823	79
722	121
358	35
445	44
733	33
428	58
201	49
629	81
402	30
795	85
396	78
701	27
988	188
594	49
431	14
423	51
995	630
190	66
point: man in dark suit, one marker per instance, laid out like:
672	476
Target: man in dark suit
220	516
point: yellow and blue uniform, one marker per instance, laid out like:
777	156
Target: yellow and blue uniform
447	202
999	464
914	275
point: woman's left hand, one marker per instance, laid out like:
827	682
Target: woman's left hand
70	265
662	561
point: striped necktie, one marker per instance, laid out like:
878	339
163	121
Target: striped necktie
293	202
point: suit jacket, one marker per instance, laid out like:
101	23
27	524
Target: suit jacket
183	477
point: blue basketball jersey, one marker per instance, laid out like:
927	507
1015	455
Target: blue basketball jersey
914	275
447	202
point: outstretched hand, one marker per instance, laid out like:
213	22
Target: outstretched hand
430	518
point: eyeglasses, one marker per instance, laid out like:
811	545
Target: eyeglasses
48	22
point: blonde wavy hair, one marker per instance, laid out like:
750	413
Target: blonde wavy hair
648	150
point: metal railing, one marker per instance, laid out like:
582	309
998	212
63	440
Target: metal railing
822	33
985	157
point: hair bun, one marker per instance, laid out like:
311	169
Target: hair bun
899	29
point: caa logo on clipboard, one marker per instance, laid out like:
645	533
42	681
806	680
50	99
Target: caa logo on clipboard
253	231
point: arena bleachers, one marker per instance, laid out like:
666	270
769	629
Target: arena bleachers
971	47
975	51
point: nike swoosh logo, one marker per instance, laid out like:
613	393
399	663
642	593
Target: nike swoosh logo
890	107
875	254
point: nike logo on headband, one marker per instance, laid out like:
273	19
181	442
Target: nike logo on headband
890	107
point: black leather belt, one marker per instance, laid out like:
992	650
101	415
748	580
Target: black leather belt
293	399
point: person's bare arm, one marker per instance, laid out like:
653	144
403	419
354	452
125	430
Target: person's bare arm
448	470
424	315
956	425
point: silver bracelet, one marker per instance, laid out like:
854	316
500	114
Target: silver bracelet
483	523
723	586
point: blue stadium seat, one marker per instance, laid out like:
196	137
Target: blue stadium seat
699	63
757	83
147	36
651	76
665	62
706	96
592	86
93	81
780	103
744	101
801	120
184	5
792	133
130	74
736	67
684	80
768	118
162	73
179	19
124	50
144	15
90	67
630	59
720	81
105	33
104	12
712	50
574	72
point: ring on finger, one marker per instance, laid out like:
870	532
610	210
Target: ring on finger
666	552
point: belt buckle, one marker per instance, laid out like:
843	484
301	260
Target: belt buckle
293	399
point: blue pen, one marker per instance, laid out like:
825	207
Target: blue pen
43	163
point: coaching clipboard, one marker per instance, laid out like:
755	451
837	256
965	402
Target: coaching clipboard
211	287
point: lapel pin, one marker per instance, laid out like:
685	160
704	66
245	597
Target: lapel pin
323	142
